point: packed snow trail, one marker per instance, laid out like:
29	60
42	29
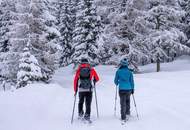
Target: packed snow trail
162	100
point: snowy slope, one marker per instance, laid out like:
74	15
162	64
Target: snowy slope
162	100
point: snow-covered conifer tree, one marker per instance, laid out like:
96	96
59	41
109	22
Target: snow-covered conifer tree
8	55
163	20
86	32
4	23
185	4
66	22
43	36
29	69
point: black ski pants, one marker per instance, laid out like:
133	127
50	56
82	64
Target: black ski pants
125	103
87	98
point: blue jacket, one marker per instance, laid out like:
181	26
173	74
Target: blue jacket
124	78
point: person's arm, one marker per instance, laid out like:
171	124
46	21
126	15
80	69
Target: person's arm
132	82
95	76
116	79
76	80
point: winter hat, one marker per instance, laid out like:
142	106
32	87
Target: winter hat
124	62
84	60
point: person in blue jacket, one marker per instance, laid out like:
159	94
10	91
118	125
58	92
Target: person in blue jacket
124	80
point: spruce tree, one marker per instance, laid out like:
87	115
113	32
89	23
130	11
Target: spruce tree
4	23
8	54
44	36
66	23
86	32
29	69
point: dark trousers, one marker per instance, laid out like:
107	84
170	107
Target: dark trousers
125	103
87	98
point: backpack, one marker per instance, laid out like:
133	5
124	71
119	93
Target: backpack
85	81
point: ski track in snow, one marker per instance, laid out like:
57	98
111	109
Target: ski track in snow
162	100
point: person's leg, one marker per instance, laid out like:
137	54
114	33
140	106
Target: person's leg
128	94
80	105
122	95
88	101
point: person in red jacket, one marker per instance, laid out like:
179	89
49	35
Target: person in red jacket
84	77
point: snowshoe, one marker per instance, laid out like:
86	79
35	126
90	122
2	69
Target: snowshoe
123	122
127	117
87	121
80	117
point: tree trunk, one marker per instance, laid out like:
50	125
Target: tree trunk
158	65
168	51
4	87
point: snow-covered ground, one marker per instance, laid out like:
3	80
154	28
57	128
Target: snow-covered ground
162	100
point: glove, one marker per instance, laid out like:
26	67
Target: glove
75	93
132	91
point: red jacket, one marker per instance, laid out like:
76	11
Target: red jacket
93	74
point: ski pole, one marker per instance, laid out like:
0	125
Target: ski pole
115	102
135	105
73	109
96	100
